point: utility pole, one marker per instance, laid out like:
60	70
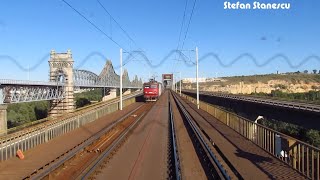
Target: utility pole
180	83
175	84
197	74
120	78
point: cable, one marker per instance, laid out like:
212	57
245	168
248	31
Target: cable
93	24
184	15
182	23
185	36
124	31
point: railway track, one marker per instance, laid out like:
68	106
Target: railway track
88	159
311	107
212	160
30	137
18	132
174	162
83	159
144	155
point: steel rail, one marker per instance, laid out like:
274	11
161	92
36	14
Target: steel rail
72	152
174	143
107	152
200	137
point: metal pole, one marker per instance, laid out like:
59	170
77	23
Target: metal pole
197	74
120	78
172	85
175	85
180	83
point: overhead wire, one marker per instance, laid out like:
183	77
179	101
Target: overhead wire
187	30
90	22
104	33
192	12
124	31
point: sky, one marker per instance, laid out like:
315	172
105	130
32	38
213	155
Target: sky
29	30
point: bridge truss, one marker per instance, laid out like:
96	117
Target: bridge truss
16	91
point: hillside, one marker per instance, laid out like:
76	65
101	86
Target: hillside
290	83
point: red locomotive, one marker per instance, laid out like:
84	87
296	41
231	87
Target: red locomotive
152	90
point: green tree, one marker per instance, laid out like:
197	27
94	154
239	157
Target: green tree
81	102
313	137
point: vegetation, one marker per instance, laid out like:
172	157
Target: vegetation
85	98
294	78
22	113
93	95
311	96
309	136
291	77
81	102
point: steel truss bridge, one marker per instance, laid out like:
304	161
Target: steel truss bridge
16	91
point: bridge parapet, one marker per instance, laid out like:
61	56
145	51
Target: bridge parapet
301	156
28	83
16	91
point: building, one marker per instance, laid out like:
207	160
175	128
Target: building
193	80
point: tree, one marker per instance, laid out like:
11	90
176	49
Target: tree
313	137
22	113
305	71
314	71
41	109
81	102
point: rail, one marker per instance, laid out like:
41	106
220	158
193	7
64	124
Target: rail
106	153
299	155
174	144
43	172
48	130
266	101
198	134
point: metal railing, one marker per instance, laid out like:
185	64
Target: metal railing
267	101
30	83
299	155
47	131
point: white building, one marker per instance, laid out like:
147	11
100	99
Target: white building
193	80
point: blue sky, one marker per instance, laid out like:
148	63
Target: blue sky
30	29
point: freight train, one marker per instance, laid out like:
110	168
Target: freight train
152	90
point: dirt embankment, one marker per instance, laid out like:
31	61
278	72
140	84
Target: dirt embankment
243	86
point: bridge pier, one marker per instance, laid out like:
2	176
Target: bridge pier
111	95
3	119
61	69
